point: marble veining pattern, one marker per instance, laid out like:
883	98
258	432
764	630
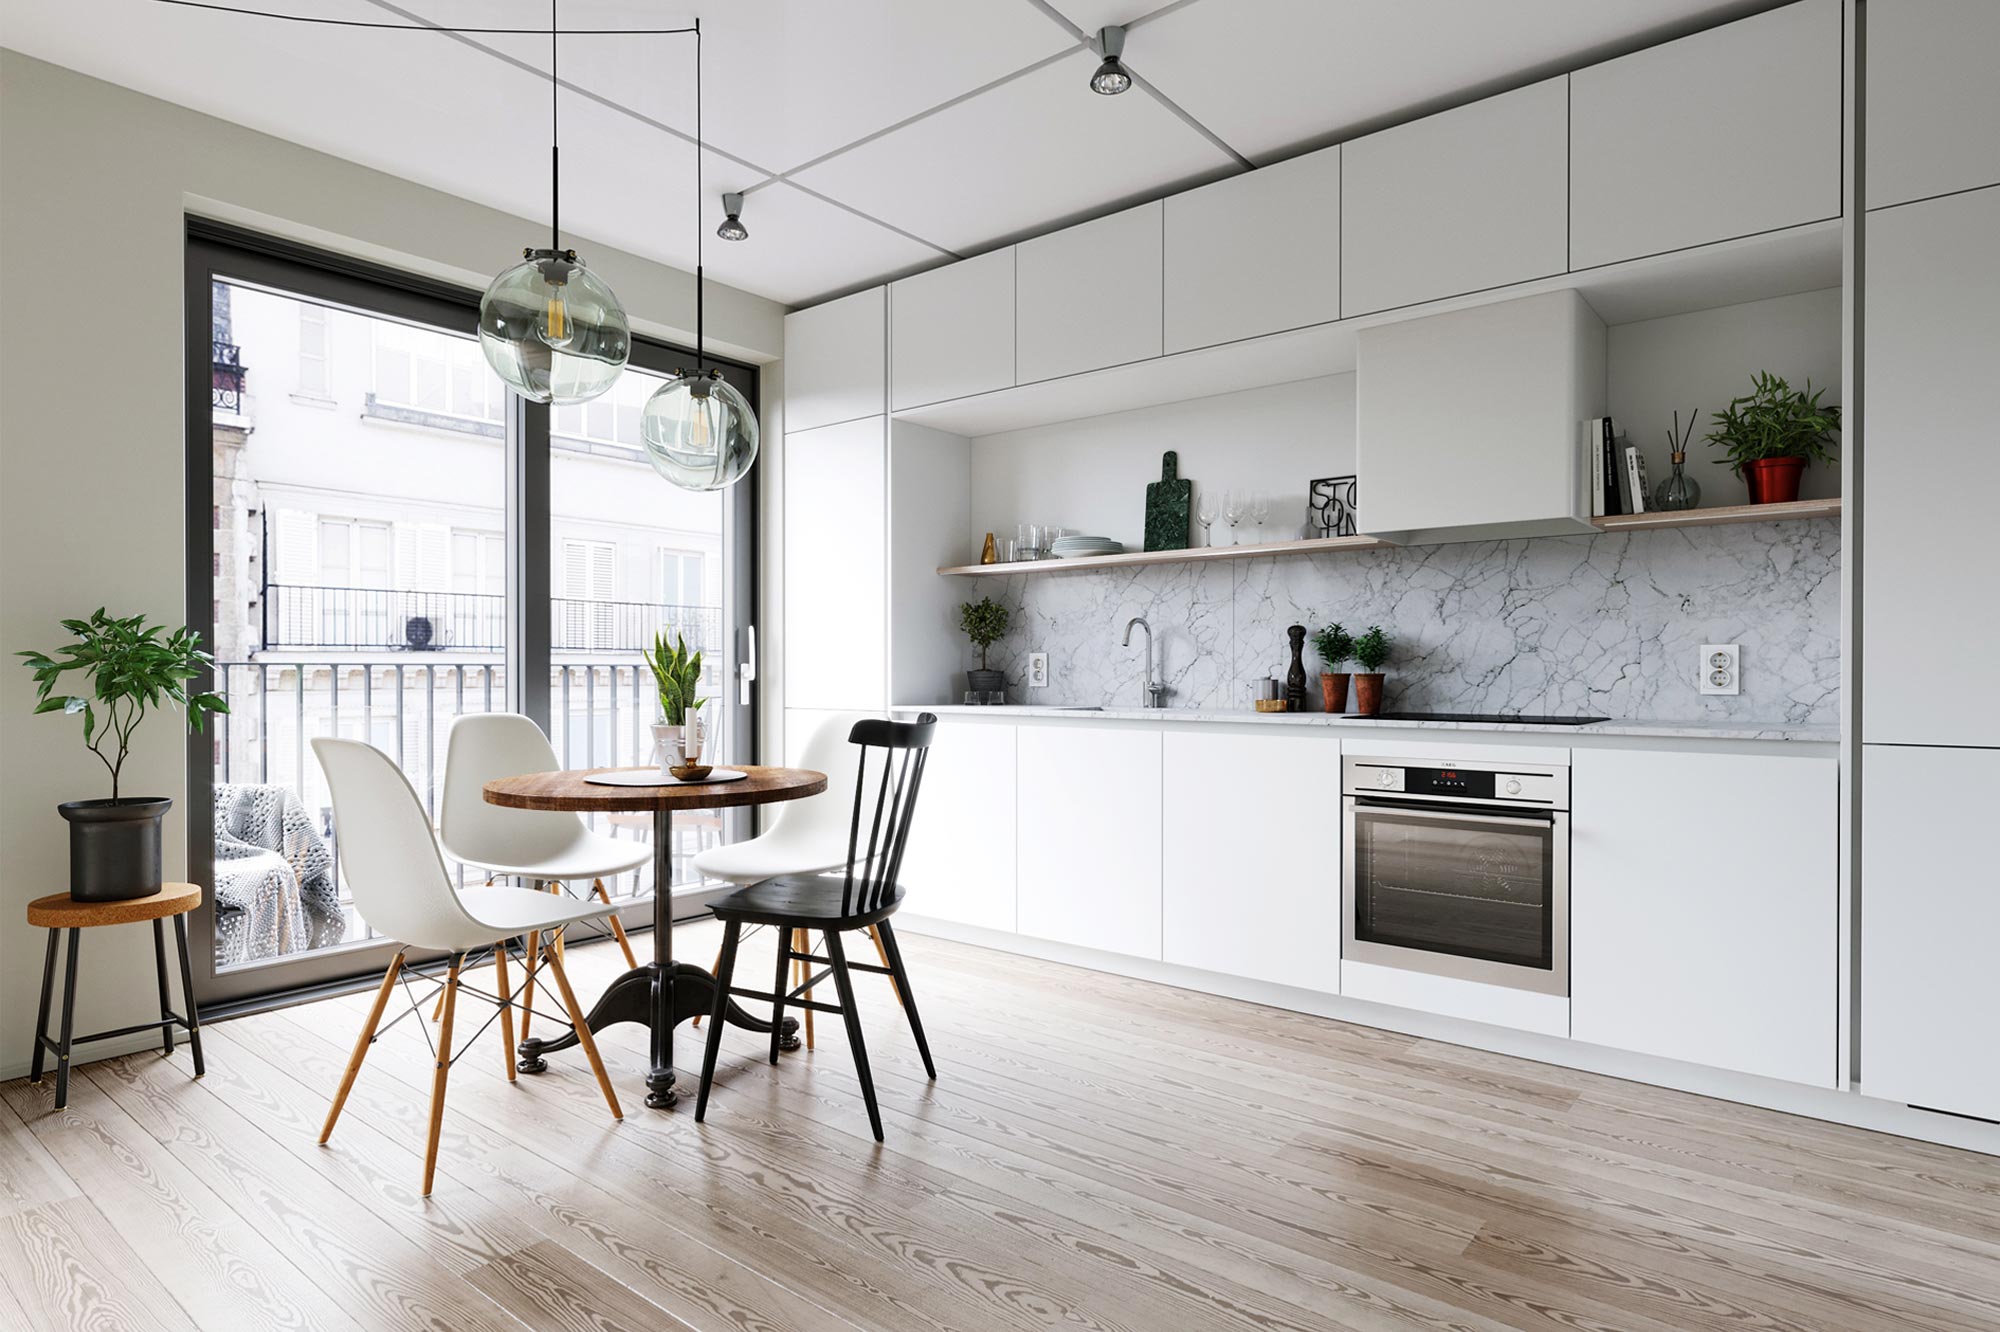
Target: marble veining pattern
1607	625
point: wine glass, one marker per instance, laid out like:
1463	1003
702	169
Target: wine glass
1206	510
1260	510
1234	508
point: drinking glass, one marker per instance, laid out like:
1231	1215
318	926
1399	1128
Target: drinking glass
1234	508
1206	510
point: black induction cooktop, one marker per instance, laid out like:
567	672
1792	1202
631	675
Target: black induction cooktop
1490	718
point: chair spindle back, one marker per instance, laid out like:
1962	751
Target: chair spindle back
905	746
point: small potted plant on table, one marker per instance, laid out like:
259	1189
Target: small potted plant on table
1371	650
677	673
1334	645
130	667
1771	433
985	623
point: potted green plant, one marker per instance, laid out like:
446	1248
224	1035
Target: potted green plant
677	675
1371	650
1771	433
1334	646
128	668
984	622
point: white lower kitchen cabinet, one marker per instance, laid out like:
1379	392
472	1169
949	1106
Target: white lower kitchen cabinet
959	864
1088	806
1930	919
1704	905
1251	881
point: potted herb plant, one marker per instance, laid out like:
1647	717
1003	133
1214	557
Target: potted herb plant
1771	433
128	668
984	622
1334	645
677	674
1371	650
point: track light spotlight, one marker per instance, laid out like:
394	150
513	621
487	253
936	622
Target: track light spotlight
1111	77
732	227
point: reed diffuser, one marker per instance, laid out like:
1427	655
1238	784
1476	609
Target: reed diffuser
1677	490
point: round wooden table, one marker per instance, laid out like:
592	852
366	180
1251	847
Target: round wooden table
660	994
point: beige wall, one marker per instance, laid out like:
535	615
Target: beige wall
95	183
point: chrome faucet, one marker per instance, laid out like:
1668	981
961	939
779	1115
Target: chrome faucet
1154	689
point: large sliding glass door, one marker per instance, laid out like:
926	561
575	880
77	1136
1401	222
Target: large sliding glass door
382	539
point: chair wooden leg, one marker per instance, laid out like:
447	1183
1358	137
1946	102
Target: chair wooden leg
555	886
725	971
845	984
442	1072
361	1045
552	954
528	985
506	1007
893	959
437	1009
895	987
617	929
802	939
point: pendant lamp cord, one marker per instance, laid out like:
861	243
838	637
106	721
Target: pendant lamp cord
555	167
699	221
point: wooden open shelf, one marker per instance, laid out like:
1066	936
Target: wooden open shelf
1734	513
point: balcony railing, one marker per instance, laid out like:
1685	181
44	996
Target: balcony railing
301	616
226	383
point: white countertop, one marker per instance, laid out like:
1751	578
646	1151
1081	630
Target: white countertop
1702	729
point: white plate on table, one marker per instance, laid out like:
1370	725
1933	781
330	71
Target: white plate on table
654	777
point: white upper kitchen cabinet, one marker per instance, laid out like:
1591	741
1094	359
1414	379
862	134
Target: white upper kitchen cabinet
1461	201
1088	296
1256	253
1930	469
1930	913
1728	132
959	864
1088	806
1933	100
1470	425
1704	908
1237	901
836	361
836	575
951	331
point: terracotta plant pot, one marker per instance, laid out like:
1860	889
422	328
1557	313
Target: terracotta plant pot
1333	691
1367	693
1774	480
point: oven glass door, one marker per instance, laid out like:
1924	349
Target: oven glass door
1456	882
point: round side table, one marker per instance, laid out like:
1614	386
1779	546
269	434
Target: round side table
62	912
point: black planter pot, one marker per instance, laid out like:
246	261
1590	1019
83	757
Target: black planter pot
114	847
986	682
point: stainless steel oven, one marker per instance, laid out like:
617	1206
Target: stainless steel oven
1458	869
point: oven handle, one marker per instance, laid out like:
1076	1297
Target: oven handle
1453	814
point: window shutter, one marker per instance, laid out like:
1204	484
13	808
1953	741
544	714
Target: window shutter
295	547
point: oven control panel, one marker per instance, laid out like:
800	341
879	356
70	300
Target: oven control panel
1483	783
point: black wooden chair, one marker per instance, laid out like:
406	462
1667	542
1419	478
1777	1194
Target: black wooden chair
866	895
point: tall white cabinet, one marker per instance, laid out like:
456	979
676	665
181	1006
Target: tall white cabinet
1933	102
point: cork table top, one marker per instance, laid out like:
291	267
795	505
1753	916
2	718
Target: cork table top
60	911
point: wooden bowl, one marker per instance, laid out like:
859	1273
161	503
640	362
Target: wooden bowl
692	772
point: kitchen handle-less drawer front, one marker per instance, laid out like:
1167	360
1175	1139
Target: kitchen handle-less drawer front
1726	133
1088	811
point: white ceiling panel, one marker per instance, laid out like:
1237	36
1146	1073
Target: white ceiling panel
1019	158
1272	76
1091	15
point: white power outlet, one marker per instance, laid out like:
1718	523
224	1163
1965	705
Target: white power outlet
1721	668
1038	670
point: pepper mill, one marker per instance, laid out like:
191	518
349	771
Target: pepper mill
1295	678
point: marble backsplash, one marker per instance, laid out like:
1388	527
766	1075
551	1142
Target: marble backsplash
1608	625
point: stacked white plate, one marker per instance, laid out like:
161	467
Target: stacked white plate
1078	547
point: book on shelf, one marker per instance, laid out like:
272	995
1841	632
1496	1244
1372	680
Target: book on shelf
1632	478
1604	465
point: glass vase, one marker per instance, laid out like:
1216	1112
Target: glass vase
1677	490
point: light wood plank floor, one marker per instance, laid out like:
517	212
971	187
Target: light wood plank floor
1097	1154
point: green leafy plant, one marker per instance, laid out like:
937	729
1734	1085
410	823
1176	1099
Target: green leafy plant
677	672
1372	649
1334	645
985	623
1775	420
131	667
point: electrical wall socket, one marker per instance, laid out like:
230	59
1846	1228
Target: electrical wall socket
1721	668
1038	670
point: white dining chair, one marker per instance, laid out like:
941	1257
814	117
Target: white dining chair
553	851
391	862
805	837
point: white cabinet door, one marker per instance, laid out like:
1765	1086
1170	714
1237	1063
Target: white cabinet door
1088	296
1252	883
1726	133
1089	836
1930	913
1931	468
951	331
1933	102
1704	905
836	577
1465	200
836	361
1256	253
959	864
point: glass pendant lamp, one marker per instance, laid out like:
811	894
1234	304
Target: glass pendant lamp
549	326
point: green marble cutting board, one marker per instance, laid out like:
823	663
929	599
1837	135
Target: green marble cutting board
1168	503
